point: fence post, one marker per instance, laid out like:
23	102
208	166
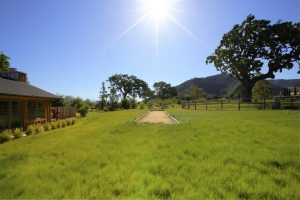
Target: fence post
292	103
195	105
188	104
264	103
206	104
221	104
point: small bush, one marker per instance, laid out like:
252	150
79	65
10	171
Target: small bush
53	126
58	124
47	127
83	111
69	122
142	106
73	121
133	103
30	130
18	133
125	104
63	123
6	136
38	129
150	105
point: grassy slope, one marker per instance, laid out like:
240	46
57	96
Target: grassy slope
212	154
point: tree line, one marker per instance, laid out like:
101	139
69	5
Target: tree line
123	91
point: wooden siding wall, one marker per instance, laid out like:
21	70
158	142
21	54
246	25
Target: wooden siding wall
25	100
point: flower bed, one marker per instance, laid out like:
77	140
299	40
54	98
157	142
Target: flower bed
8	134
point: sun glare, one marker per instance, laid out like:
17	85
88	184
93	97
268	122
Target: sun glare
158	12
157	9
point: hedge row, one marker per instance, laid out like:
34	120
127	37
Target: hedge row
8	134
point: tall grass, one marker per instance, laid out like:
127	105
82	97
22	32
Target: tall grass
211	154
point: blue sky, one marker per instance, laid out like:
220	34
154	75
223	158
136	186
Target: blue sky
68	46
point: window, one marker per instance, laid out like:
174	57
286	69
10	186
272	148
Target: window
10	114
4	114
36	110
16	113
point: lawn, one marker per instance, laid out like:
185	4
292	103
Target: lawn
211	154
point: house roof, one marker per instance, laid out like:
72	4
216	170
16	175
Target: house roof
17	88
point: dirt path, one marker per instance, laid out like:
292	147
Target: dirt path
157	117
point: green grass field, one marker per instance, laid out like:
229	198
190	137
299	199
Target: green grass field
211	154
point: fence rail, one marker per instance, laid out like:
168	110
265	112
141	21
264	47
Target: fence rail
243	103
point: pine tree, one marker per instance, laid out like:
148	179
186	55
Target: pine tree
103	97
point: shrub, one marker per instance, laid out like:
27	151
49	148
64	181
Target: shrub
142	106
133	104
58	124
83	111
53	126
73	121
47	127
113	106
150	105
63	123
18	133
6	136
261	90
69	122
125	104
38	129
30	130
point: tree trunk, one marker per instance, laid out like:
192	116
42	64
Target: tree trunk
124	96
247	94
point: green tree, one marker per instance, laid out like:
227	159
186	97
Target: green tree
82	107
261	90
4	62
113	99
244	50
103	97
196	92
88	103
129	86
77	103
164	90
59	102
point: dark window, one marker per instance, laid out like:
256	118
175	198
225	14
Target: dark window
16	113
36	110
10	114
4	114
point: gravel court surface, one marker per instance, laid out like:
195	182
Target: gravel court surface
157	117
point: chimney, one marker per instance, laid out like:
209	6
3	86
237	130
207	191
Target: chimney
14	75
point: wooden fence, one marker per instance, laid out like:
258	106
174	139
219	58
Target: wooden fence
62	112
243	104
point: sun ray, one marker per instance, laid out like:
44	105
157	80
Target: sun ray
157	40
185	29
158	12
131	27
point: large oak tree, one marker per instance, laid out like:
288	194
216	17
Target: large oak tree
248	47
164	90
129	85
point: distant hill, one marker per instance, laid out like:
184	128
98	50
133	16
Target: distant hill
222	85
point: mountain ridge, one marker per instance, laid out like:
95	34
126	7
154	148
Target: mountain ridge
223	85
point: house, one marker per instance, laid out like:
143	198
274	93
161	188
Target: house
22	104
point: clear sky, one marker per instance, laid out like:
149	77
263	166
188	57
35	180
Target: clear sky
70	46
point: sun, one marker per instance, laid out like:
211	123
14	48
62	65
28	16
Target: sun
157	10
